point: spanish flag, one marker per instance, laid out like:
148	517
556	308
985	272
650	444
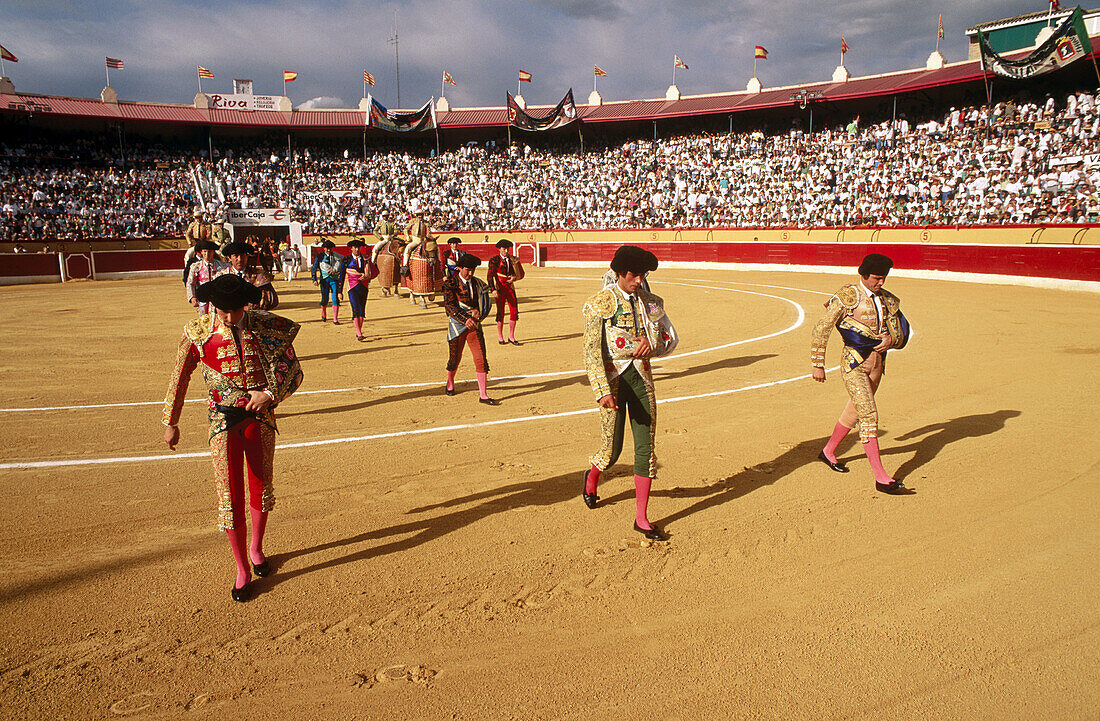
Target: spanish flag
289	76
599	73
7	55
761	52
524	76
204	73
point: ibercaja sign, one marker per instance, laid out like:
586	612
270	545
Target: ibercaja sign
259	216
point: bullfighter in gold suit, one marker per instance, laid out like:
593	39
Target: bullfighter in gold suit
249	366
870	322
623	328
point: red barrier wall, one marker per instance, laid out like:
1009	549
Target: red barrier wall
30	265
130	261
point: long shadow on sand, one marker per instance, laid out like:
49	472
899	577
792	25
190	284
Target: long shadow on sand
957	429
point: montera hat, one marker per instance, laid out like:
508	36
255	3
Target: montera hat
469	260
328	245
205	245
875	264
355	243
504	243
454	239
228	292
237	247
632	259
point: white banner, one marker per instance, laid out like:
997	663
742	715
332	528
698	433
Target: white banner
1091	160
259	216
245	102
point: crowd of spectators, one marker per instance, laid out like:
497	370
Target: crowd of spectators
1028	162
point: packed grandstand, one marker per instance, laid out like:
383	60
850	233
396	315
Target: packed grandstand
1025	159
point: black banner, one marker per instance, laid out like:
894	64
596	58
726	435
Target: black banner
1069	43
384	119
564	113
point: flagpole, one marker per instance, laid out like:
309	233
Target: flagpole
199	78
754	59
107	69
674	72
441	84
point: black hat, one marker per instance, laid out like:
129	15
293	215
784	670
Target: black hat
228	292
469	260
631	258
205	245
875	264
504	243
238	247
328	245
454	239
355	243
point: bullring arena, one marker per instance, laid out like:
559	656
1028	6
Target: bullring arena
431	556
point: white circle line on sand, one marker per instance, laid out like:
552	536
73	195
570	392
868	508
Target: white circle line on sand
23	465
798	322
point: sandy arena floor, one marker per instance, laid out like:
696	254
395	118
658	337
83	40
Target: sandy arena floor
436	561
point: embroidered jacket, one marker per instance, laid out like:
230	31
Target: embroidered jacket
200	273
610	327
266	361
460	298
857	320
500	268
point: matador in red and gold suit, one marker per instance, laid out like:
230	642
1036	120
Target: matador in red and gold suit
249	366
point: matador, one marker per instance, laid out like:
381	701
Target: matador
870	322
249	366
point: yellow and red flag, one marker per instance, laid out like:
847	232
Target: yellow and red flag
524	76
368	78
6	55
447	78
761	52
843	45
289	76
204	73
598	72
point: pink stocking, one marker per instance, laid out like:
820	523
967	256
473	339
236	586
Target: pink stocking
871	449
335	314
482	384
358	323
641	499
259	524
236	544
451	380
839	431
511	328
500	331
592	480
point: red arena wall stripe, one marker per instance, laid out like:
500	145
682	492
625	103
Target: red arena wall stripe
1065	262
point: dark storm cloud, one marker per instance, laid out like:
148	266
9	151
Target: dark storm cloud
61	45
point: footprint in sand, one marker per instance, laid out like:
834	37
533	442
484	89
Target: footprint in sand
398	672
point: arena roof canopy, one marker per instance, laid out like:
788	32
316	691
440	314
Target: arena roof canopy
716	104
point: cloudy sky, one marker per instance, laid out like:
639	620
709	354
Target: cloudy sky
482	43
